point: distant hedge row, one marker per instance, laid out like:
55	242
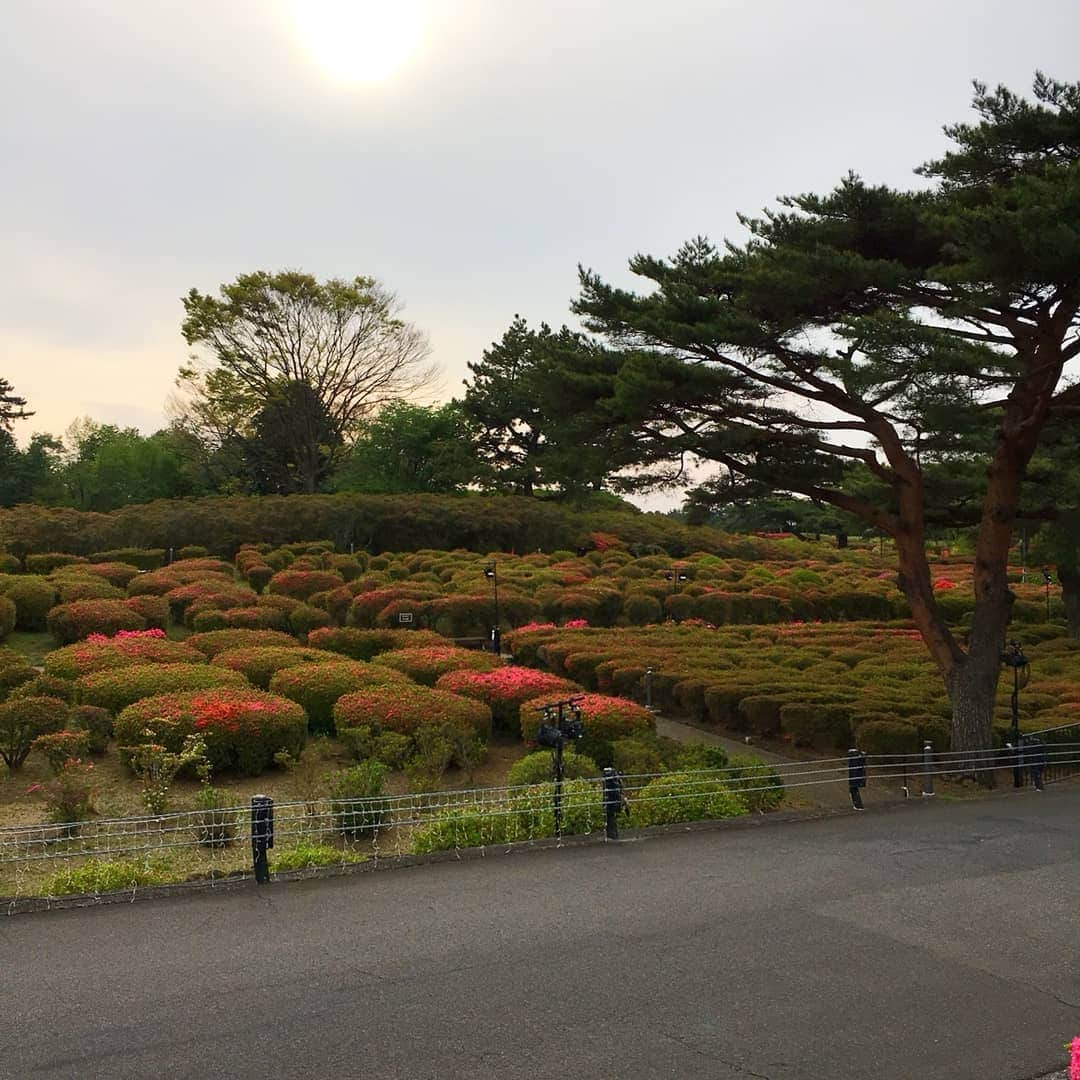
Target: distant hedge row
372	522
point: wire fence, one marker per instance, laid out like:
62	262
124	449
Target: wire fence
210	845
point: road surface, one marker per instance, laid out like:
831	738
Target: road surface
940	939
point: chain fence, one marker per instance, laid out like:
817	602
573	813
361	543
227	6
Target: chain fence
211	846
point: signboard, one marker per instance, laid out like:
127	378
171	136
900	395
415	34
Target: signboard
404	617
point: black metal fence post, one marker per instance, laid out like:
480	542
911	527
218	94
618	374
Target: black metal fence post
262	835
856	777
927	769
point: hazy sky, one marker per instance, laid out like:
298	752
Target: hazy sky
149	146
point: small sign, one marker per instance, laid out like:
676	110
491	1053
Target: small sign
404	617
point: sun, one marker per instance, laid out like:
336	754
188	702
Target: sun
359	41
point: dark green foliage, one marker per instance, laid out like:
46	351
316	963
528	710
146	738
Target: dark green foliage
33	599
23	720
8	615
354	802
96	722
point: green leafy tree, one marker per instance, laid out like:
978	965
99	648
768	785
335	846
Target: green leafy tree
12	407
858	330
412	448
267	334
533	397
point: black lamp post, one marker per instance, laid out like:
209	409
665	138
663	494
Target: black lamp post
676	577
1014	658
492	574
561	723
1047	581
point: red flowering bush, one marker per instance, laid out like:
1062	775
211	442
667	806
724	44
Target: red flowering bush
404	709
210	594
116	688
210	644
316	687
161	582
303	584
505	690
97	653
605	719
427	664
60	746
74	621
364	644
115	573
258	665
243	728
944	585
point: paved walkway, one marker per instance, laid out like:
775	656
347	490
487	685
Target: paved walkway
934	940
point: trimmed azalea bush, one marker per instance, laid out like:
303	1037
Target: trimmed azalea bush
406	707
759	785
33	598
305	617
72	622
218	641
303	584
154	609
116	688
359	644
606	719
49	561
427	664
261	663
45	686
59	747
209	594
243	728
96	722
317	687
888	737
14	671
505	690
23	720
685	796
121	651
538	767
70	588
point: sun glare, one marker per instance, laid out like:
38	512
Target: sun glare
358	41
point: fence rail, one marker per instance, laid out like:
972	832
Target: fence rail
212	843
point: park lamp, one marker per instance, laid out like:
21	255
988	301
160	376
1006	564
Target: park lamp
492	574
1014	658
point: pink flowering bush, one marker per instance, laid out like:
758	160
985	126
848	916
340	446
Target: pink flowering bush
303	584
404	709
428	663
116	688
317	687
505	690
72	622
98	653
243	728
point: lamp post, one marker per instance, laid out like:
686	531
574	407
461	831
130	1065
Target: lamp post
676	577
492	574
561	723
1014	658
1047	581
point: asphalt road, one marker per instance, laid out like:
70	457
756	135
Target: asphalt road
939	940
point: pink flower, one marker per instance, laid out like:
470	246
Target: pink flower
575	624
32	788
1074	1066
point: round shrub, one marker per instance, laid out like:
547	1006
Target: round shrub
505	690
258	665
33	599
115	573
154	609
49	561
97	723
305	618
316	687
684	796
605	719
888	737
243	728
45	686
302	584
117	688
759	785
14	671
360	644
72	622
209	593
537	768
86	657
70	588
216	641
9	564
141	558
405	708
7	616
428	664
258	576
641	609
23	720
192	551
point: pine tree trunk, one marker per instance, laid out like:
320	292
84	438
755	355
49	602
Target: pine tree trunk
1070	597
972	689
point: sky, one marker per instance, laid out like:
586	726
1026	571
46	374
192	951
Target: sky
469	154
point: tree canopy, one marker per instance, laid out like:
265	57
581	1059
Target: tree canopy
862	331
268	335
